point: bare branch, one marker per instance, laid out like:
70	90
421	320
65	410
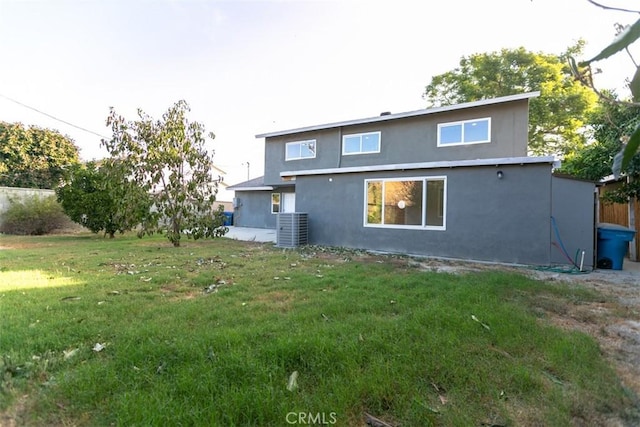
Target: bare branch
631	57
586	78
612	8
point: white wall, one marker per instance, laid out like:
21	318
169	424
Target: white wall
7	193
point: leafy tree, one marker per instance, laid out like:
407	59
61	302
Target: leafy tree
626	36
556	117
168	159
610	123
33	157
103	199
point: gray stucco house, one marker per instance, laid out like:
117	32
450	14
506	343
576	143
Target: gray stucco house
452	181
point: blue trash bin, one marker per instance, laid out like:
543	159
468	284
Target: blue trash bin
228	218
613	244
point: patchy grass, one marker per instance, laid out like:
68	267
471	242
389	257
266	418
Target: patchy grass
210	334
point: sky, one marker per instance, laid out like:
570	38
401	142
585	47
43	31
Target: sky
250	67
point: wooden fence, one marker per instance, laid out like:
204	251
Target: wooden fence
619	213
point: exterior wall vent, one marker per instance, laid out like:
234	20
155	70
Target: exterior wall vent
292	229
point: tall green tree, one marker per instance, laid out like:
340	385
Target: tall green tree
168	158
626	36
556	117
102	198
611	123
34	157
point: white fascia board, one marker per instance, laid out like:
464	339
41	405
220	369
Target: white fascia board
265	188
216	168
415	113
426	165
611	178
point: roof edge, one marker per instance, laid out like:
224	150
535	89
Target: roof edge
263	188
415	113
426	165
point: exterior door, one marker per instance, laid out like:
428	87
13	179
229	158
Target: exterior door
288	202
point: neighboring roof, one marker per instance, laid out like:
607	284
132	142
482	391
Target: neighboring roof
214	167
573	178
426	165
254	184
612	178
422	112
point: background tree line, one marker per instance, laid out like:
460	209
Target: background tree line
32	157
158	177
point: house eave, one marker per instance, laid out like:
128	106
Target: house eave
426	165
263	188
423	112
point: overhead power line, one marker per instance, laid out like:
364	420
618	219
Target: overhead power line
53	117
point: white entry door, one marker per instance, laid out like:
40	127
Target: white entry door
288	202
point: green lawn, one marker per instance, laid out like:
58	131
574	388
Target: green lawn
214	332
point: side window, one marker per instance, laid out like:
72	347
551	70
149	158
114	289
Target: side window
464	132
300	150
361	143
275	203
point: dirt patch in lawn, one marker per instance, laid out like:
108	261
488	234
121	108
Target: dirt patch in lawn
613	321
25	245
280	300
13	416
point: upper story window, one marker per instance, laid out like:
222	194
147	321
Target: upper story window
361	143
475	131
300	150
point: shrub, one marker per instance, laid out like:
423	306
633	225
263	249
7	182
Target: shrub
33	215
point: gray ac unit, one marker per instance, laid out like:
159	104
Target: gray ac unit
292	229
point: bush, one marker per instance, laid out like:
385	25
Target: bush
34	216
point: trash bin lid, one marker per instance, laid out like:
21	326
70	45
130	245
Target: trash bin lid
614	227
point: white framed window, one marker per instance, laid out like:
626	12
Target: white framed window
361	143
275	203
300	150
476	131
416	203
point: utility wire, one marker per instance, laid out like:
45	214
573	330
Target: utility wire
53	117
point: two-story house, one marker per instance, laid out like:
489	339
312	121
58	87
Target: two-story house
452	181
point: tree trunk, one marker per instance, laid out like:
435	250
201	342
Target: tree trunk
175	228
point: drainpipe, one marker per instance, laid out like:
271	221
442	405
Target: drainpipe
633	256
340	146
596	217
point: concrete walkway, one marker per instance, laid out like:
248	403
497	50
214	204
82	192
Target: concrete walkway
265	235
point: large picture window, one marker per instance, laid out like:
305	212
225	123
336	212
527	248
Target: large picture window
361	143
300	150
465	132
406	203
